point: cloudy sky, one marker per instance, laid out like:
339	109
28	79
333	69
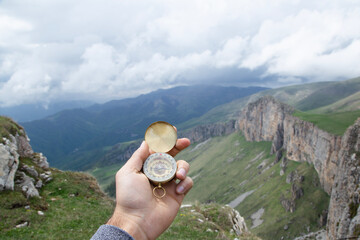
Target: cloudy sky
110	49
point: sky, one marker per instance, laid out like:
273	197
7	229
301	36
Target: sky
101	50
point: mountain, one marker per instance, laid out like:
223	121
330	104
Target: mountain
67	134
30	112
311	97
40	202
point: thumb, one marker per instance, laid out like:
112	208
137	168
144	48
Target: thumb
139	156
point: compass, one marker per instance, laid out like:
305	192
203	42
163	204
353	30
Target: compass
160	167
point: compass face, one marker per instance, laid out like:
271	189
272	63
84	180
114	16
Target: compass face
160	167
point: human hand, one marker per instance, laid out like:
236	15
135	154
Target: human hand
137	210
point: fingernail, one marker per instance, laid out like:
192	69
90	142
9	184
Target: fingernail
180	189
182	172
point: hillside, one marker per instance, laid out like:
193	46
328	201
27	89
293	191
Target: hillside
68	135
40	202
320	98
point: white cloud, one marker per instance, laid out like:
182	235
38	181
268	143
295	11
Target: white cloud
108	49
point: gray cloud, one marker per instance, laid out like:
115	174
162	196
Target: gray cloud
102	50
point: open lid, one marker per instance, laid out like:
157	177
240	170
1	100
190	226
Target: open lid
161	136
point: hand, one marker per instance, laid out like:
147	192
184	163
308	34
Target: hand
137	210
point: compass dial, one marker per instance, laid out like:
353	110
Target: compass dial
160	167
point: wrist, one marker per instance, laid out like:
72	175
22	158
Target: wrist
128	224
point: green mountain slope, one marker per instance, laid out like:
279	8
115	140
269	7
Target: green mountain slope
350	103
69	132
227	169
330	96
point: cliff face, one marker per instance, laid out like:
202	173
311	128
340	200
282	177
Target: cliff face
335	158
268	120
344	214
13	173
204	132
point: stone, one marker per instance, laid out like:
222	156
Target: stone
239	225
24	224
9	162
30	170
27	185
286	227
41	213
39	184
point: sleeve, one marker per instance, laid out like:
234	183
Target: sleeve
109	232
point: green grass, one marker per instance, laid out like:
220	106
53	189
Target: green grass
203	221
73	204
226	167
335	123
7	127
105	175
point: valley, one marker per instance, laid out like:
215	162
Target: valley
282	167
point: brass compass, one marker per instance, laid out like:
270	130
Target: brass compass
160	167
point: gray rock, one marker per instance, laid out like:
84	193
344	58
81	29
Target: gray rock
30	170
27	185
25	224
39	184
9	162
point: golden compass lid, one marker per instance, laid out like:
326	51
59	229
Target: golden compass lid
161	136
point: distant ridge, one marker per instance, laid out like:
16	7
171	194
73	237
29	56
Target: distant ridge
72	131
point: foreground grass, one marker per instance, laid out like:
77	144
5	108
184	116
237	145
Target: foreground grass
335	123
73	206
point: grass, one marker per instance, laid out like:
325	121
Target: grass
105	175
335	123
8	127
229	166
73	204
204	221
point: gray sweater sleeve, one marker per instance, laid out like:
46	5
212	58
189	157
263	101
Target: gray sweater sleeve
109	232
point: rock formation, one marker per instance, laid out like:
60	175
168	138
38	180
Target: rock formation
203	132
344	214
336	159
13	173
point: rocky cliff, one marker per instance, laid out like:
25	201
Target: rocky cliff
14	145
333	157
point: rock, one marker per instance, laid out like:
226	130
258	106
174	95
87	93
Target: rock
343	219
239	225
41	213
286	227
288	204
30	170
296	191
269	120
27	185
23	145
25	224
336	159
39	184
40	160
9	162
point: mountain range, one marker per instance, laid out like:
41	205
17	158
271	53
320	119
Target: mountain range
68	134
286	159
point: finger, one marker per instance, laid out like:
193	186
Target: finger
183	168
139	156
184	186
180	145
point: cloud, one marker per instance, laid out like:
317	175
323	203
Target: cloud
103	50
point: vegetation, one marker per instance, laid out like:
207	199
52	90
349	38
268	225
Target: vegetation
73	207
335	123
226	167
204	221
8	127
